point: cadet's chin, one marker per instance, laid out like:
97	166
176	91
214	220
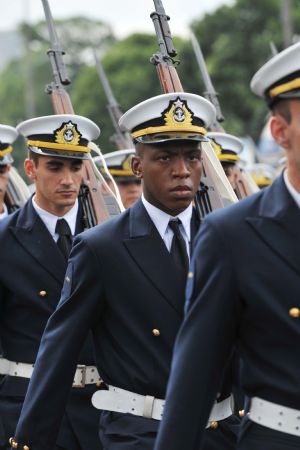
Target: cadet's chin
67	202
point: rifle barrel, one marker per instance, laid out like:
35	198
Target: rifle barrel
201	62
103	78
56	52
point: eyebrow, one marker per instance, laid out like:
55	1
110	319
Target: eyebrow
54	162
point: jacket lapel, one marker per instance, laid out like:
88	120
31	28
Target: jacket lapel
32	234
278	223
151	255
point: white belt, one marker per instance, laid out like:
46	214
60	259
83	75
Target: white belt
119	400
274	416
83	374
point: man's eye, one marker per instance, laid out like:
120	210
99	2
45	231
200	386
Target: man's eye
164	157
194	157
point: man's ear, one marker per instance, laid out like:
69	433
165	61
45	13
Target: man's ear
280	131
29	167
136	166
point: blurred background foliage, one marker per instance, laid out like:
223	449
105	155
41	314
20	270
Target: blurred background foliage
235	41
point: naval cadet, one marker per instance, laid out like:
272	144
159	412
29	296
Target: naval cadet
227	148
119	165
7	136
34	242
125	281
247	294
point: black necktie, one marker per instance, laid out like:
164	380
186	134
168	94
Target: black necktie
178	247
65	238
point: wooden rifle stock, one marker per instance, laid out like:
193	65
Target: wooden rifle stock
215	190
61	101
169	78
98	202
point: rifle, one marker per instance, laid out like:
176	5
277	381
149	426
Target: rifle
210	94
273	48
17	192
120	138
241	185
215	190
98	201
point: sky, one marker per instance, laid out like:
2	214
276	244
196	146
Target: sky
125	16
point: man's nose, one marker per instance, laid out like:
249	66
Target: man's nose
181	167
67	177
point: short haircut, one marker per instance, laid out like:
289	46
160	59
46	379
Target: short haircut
34	157
282	108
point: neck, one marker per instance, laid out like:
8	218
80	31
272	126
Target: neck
56	210
294	177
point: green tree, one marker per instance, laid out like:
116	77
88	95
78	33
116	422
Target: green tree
76	35
235	41
132	78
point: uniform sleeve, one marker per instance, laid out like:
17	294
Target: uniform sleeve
78	310
204	342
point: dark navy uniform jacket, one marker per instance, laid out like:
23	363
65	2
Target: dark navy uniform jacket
31	277
122	282
246	267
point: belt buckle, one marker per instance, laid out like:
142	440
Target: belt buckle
81	368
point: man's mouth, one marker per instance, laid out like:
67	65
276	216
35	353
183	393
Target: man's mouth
180	188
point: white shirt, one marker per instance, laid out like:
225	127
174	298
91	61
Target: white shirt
295	194
161	221
50	220
4	213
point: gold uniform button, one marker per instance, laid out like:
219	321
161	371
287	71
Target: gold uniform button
190	275
68	279
214	424
14	444
294	312
25	447
155	332
10	441
43	293
242	412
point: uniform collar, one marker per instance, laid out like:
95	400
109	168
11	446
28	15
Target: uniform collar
161	219
295	194
4	213
50	219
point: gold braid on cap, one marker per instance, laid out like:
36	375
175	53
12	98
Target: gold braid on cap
285	87
164	129
61	146
223	156
226	156
6	151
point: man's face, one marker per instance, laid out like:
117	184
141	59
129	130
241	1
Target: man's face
57	182
4	175
230	173
171	173
287	134
130	191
